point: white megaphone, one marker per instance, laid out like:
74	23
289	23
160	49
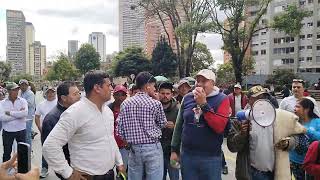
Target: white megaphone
262	112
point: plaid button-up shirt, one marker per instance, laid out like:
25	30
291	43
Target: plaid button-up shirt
141	119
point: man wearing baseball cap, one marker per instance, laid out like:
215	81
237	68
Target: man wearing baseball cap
28	95
184	88
203	115
238	100
119	95
42	110
13	113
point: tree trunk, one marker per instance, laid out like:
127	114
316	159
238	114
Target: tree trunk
237	66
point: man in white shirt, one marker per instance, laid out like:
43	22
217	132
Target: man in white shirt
87	127
290	102
42	110
14	111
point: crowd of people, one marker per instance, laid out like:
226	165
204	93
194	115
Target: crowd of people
155	130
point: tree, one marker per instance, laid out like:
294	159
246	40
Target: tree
281	77
5	70
240	26
164	61
18	77
201	58
225	74
87	58
187	18
130	61
62	70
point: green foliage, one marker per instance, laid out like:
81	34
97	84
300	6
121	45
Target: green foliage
164	61
225	74
248	65
62	70
87	59
281	77
201	59
5	70
290	20
18	77
130	61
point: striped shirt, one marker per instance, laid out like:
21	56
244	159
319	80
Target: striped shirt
141	119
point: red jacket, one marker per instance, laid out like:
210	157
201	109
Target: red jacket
244	101
310	164
120	142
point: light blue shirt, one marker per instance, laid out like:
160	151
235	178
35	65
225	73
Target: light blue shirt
313	133
18	113
29	96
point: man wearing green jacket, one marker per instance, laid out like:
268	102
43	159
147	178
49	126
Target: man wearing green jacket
171	109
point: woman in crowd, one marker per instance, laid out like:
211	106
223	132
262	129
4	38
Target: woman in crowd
305	110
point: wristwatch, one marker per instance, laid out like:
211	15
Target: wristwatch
205	107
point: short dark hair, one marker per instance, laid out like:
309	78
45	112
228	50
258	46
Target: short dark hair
144	78
63	89
166	85
92	78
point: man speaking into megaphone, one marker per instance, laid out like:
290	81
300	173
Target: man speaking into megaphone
252	136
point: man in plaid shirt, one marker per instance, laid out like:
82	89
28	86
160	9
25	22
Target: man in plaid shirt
140	122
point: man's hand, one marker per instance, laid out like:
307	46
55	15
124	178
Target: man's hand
76	175
245	128
174	156
200	95
7	113
170	125
155	96
122	169
6	166
283	144
31	175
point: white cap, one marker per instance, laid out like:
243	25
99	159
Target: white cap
237	86
208	74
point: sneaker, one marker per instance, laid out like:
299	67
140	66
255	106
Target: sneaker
225	170
44	173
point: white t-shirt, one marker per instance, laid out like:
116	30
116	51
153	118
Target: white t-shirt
237	103
44	108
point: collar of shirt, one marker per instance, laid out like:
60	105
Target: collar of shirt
142	94
7	99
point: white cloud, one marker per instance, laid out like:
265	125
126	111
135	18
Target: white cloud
57	21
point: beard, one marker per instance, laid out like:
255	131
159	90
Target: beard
166	102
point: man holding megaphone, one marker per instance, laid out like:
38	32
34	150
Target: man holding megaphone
254	135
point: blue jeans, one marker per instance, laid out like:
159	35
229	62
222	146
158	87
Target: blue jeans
260	175
148	159
194	167
28	133
125	155
167	168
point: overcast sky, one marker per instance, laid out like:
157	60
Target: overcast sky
57	21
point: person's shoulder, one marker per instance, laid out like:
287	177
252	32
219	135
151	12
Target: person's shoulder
23	100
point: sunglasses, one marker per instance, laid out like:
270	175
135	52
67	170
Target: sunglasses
298	80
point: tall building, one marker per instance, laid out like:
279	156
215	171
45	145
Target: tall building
30	36
16	41
154	30
275	50
37	58
131	24
98	40
72	48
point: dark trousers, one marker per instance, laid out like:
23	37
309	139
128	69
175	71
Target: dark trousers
8	138
44	162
